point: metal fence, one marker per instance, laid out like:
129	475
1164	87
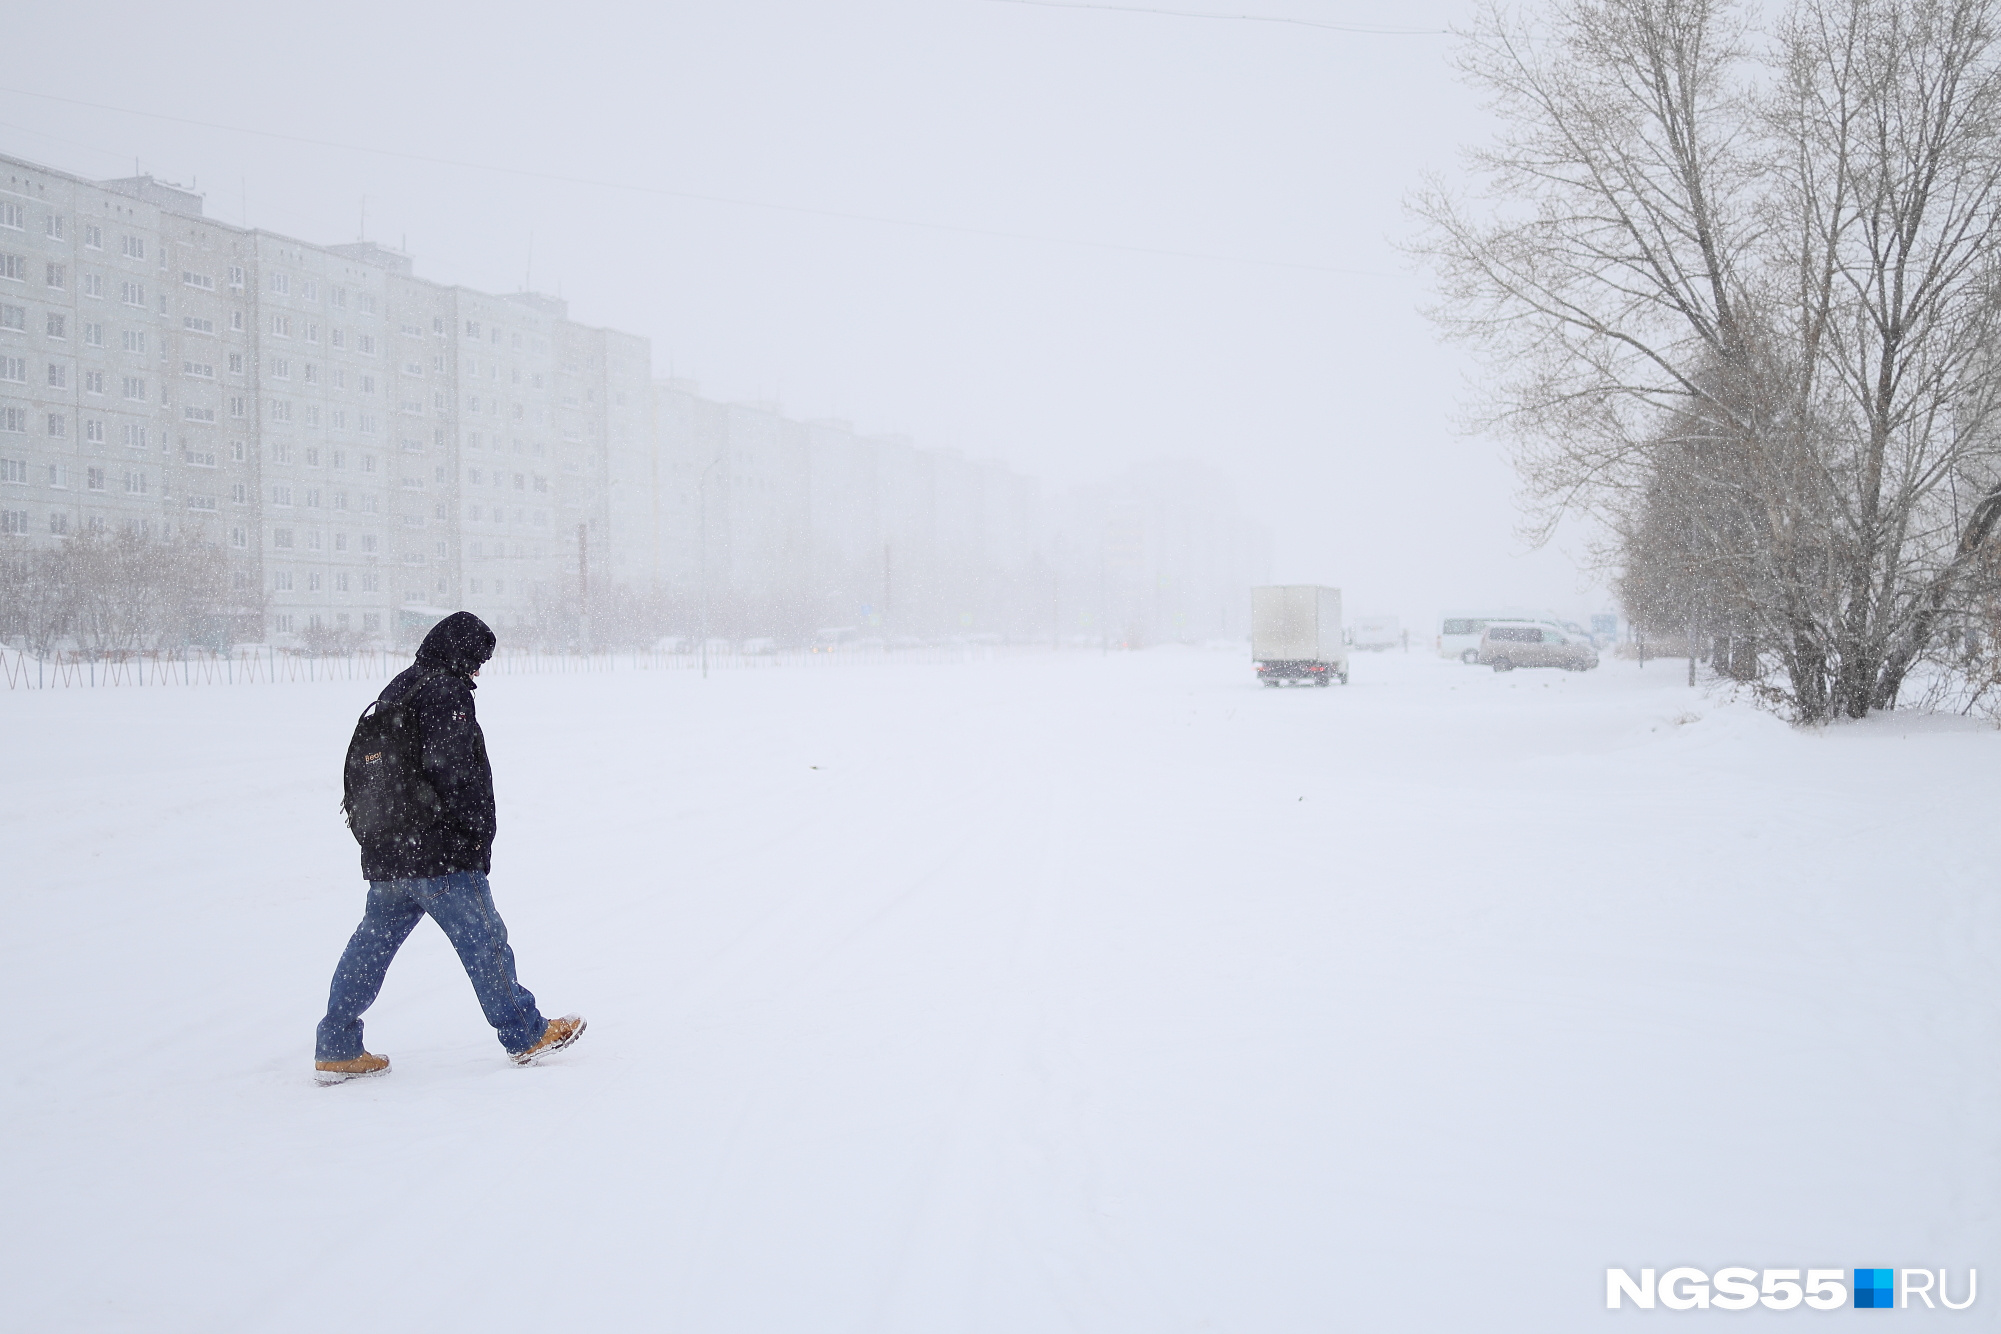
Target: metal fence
267	666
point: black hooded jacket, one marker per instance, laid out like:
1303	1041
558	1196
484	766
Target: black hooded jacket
439	686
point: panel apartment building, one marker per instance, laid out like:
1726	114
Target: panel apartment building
371	450
368	448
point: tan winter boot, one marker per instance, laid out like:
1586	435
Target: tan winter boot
559	1034
363	1066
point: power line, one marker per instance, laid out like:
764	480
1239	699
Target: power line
808	210
1235	18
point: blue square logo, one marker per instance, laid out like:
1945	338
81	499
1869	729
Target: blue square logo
1875	1289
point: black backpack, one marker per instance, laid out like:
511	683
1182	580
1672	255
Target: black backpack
385	793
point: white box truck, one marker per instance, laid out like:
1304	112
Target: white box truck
1296	634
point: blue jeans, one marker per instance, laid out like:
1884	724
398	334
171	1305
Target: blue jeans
462	904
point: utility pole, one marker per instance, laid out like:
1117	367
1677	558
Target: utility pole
1104	599
886	645
702	499
584	585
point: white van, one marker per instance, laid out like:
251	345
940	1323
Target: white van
1459	631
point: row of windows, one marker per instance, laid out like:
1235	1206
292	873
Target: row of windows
18	472
133	481
310	497
281	452
280	412
281	327
56	325
286	623
287	581
474	477
541	517
287	539
15	269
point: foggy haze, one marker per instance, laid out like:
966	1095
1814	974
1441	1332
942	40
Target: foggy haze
919	565
1281	150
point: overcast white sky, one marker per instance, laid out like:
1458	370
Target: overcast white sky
1325	396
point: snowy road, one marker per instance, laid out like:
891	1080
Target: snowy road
1054	994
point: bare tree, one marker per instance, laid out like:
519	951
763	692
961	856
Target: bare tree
1742	287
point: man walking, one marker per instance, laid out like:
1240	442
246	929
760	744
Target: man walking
426	828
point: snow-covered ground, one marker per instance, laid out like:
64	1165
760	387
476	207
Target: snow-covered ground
1061	993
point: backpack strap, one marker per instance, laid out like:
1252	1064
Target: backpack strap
422	681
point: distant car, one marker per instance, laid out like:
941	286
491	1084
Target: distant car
1375	634
1506	645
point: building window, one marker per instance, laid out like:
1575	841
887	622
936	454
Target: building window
236	363
135	388
14	369
281	538
93	479
281	283
58	375
13	215
93	237
13	522
93	285
201	280
14	267
132	294
93	335
58	426
14	317
93	431
57	275
312	583
134	340
281	495
134	435
133	247
238	538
